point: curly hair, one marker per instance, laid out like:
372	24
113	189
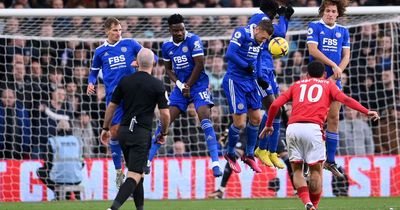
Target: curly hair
340	4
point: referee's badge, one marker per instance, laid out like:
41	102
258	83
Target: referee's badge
338	35
123	49
240	106
184	49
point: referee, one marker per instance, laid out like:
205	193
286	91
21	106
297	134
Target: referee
140	94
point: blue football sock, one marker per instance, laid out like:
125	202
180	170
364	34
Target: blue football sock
252	131
233	138
263	143
116	153
274	138
331	144
154	145
211	139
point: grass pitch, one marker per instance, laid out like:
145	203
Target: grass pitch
391	203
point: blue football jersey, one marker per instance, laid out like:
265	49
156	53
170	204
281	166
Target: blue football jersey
181	55
245	53
330	40
115	60
265	60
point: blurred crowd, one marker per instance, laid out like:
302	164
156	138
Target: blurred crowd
44	80
58	4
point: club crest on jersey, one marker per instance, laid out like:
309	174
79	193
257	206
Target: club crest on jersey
184	49
310	31
240	106
124	49
338	35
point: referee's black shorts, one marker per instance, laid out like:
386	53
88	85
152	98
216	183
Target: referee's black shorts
135	146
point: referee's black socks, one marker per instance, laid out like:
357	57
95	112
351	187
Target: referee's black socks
126	189
138	195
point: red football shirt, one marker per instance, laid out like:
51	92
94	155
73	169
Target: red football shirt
311	99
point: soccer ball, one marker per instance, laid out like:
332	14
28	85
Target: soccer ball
278	47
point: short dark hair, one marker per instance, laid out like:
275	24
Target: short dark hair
340	4
175	19
266	25
109	22
316	69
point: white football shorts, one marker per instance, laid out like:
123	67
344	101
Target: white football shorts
305	143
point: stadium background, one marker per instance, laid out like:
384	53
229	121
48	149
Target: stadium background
39	54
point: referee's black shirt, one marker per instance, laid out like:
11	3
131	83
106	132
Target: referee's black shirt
140	93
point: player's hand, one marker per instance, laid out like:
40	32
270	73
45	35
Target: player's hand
186	90
281	11
105	137
250	69
266	131
90	89
337	72
42	107
161	139
135	64
373	115
289	12
263	84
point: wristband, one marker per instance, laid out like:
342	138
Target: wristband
164	134
106	129
179	84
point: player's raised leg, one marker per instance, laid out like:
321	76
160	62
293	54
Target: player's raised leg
204	113
116	152
174	113
332	138
252	133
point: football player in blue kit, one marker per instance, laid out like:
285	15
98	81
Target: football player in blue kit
184	63
267	147
329	43
113	58
242	91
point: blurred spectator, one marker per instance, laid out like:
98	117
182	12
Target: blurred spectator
15	127
148	4
178	150
51	113
21	84
160	4
55	80
102	4
386	91
295	67
242	20
312	3
355	135
57	4
387	132
216	47
385	52
131	3
156	26
82	129
12	26
172	4
185	4
247	3
216	73
63	163
196	23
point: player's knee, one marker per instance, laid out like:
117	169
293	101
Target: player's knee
255	120
134	175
